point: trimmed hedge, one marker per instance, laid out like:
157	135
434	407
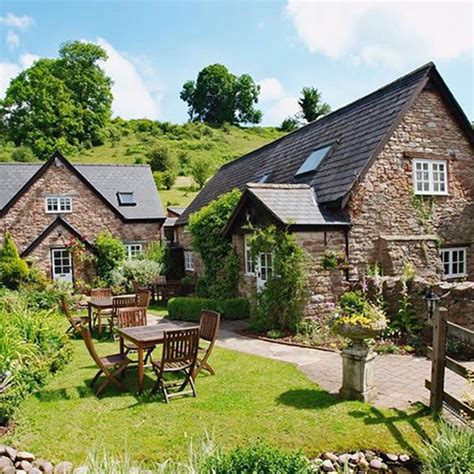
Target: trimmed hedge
189	309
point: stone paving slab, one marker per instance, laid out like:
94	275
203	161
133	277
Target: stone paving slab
399	379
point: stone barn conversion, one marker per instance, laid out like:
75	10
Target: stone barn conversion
386	180
46	207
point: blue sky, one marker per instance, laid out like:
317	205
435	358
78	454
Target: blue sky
345	49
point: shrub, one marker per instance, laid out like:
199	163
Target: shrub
189	309
260	458
142	271
110	254
23	154
13	269
154	251
451	452
32	345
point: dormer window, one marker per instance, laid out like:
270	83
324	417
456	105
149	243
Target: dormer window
264	178
430	177
313	160
126	198
58	204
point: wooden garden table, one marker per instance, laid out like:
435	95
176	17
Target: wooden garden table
145	337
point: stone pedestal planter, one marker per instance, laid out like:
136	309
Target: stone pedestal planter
358	372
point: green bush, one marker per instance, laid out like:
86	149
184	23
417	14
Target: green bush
32	345
110	254
23	154
189	309
13	269
451	452
143	271
258	458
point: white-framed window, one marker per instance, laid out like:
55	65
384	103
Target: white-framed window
250	265
134	250
430	176
58	204
454	262
189	260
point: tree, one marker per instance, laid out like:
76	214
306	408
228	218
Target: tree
159	158
311	105
201	169
218	96
289	124
59	103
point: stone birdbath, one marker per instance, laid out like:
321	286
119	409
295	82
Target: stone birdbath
358	325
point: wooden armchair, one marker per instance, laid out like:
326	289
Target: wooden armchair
110	366
180	350
208	331
101	293
74	321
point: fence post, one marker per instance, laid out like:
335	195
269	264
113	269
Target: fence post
438	359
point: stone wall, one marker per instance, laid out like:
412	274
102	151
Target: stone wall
27	218
386	227
183	239
325	286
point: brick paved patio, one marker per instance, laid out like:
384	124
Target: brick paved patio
399	379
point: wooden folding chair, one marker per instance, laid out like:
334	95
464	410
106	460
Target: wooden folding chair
143	298
111	366
132	317
117	303
208	330
101	294
180	350
74	321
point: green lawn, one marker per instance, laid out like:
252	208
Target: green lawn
250	398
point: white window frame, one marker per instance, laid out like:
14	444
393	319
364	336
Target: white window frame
189	260
450	251
134	250
250	267
430	164
58	204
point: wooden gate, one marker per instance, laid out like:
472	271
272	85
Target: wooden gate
442	330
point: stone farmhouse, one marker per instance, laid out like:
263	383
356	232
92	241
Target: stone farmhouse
47	206
386	180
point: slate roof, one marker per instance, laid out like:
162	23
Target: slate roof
106	180
357	131
291	204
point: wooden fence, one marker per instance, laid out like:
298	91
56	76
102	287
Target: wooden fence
442	330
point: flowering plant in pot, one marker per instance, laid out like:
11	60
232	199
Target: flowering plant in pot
357	318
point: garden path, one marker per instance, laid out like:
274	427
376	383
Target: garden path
399	379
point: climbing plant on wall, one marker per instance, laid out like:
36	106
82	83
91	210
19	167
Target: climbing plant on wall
280	303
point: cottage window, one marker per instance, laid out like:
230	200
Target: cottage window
58	204
134	250
454	262
430	177
313	160
126	198
189	260
250	265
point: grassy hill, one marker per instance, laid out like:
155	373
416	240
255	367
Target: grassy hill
129	140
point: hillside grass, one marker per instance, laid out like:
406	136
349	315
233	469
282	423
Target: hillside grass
128	142
251	398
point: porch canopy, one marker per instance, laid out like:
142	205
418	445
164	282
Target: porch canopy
292	206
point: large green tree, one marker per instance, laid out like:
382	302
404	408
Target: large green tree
218	96
59	103
312	107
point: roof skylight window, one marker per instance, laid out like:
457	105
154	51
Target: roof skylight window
313	160
264	178
126	198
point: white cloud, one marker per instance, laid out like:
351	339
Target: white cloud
270	89
7	72
283	108
27	60
15	21
132	97
13	40
384	31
